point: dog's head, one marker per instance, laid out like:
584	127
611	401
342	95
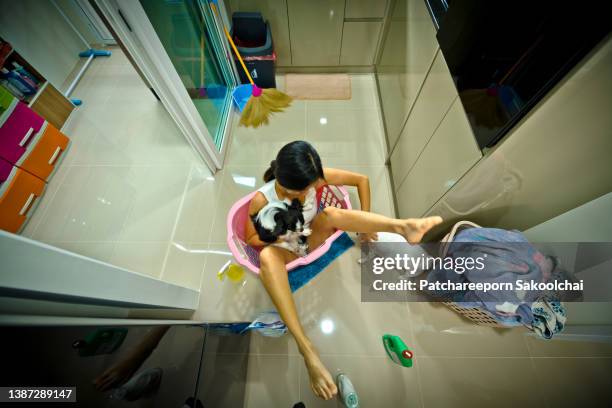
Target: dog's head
279	220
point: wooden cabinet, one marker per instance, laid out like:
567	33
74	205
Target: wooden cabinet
52	105
316	31
434	100
450	153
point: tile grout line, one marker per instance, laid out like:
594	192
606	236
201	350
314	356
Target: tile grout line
210	232
176	221
417	365
129	212
425	357
299	380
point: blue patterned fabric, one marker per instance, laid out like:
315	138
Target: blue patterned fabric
549	317
303	274
510	256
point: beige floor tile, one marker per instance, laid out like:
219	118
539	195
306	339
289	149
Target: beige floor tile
238	302
143	257
346	136
237	182
221	384
184	264
479	382
377	380
284	345
338	322
564	348
439	331
272	381
198	210
573	382
91	204
157	201
55	210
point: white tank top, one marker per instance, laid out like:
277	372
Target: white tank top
309	208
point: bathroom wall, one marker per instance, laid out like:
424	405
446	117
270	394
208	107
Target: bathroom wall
557	158
321	35
407	53
590	222
40	34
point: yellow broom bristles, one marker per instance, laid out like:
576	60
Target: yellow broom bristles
259	108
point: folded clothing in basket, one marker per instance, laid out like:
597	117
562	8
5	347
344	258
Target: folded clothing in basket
510	257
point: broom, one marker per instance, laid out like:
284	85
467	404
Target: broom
263	102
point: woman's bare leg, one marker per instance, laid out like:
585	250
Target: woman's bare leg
273	275
412	229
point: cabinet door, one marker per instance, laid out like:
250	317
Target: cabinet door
44	152
365	8
52	105
359	40
408	51
450	153
433	102
316	31
275	12
18	194
17	131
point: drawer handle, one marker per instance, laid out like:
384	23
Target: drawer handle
28	204
27	137
55	155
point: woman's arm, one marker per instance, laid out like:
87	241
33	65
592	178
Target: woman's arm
257	203
348	178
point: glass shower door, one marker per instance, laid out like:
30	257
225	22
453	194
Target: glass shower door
188	32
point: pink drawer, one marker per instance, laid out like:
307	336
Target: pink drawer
17	131
5	170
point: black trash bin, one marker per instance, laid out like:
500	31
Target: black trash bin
253	38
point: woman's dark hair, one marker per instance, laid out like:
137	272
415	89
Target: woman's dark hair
297	165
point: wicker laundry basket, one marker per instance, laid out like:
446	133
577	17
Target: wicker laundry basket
478	316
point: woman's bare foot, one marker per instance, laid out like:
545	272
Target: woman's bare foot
321	381
413	229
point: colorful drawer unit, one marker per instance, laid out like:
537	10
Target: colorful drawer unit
17	130
6	99
44	152
19	193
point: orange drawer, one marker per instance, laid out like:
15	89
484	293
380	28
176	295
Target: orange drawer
18	194
45	152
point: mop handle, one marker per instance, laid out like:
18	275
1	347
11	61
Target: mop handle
229	38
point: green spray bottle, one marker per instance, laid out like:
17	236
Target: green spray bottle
397	350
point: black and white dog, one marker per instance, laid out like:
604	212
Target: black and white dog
282	225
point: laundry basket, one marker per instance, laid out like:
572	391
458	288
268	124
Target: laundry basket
478	316
248	256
